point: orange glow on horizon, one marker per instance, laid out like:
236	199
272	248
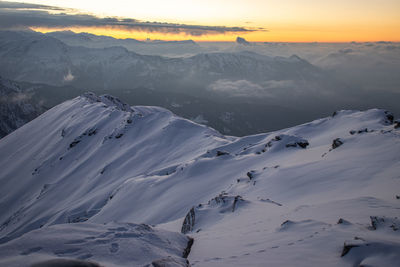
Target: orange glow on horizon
281	35
285	20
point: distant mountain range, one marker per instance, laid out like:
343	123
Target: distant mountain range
238	93
193	87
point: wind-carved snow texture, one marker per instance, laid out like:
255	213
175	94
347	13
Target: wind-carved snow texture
324	193
111	244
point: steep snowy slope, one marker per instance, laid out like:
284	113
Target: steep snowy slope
304	195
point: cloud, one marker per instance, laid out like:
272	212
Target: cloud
21	15
16	5
272	89
239	88
69	77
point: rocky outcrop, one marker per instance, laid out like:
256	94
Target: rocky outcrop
346	248
222	153
384	222
189	221
223	203
302	144
188	248
389	117
337	143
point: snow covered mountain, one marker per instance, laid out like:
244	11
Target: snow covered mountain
94	179
16	107
35	57
150	47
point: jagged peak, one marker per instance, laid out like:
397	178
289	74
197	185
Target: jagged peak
108	100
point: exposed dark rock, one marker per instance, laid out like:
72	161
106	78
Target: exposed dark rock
188	223
384	223
91	132
291	145
286	223
397	125
342	221
397	197
189	245
251	174
302	144
224	198
337	143
347	248
375	221
363	131
352	132
74	143
278	138
334	114
129	121
237	198
270	201
222	153
389	117
119	135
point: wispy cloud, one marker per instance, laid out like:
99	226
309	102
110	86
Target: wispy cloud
22	15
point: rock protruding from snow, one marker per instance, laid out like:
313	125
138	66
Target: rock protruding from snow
202	214
108	100
336	143
189	221
378	222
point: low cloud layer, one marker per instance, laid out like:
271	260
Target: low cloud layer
266	89
239	88
21	15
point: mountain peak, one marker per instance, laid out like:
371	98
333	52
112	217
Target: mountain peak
108	100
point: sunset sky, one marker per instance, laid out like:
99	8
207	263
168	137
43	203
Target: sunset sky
216	20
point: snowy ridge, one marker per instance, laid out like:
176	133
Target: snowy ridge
319	190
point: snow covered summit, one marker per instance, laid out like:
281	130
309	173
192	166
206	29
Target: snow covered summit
321	193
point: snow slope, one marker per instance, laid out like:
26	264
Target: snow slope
270	199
